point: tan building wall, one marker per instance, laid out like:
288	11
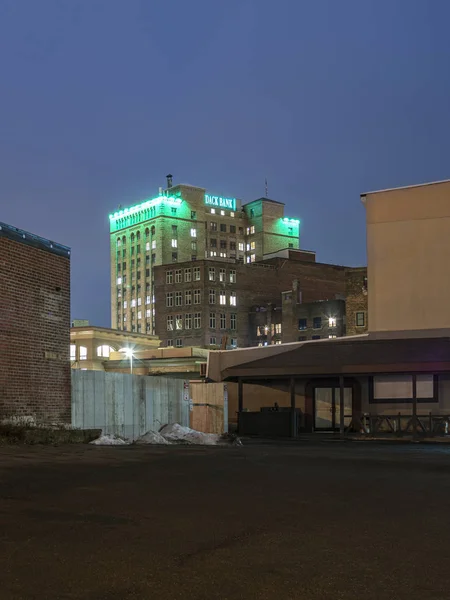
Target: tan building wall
408	250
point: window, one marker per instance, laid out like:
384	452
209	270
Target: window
147	272
223	254
119	266
119	241
187	275
213	253
174	210
360	319
233	321
253	258
178	298
252	229
197	320
169	299
188	297
213	211
73	348
178	276
119	293
332	336
188	321
233	246
153	244
332	321
139	301
212	296
241	230
233	342
83	352
153	258
222	275
196	296
232	228
193	232
170	343
213	243
119	281
252	245
132	251
212	274
178	321
196	273
125	304
232	276
124	279
222	298
174	229
277	327
147	246
317	322
194	246
222	212
174	243
233	298
223	321
138	249
179	343
174	256
247	247
315	337
139	315
213	226
169	276
303	324
133	302
223	228
193	214
241	246
212	320
152	230
148	314
170	323
223	244
212	341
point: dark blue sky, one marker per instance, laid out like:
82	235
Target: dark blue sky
100	99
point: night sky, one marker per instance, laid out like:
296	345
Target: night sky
100	99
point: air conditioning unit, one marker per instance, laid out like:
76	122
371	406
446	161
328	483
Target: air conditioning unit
203	369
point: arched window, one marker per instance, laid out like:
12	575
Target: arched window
153	230
124	240
119	241
147	232
132	238
138	236
104	351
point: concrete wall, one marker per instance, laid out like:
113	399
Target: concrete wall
127	405
408	249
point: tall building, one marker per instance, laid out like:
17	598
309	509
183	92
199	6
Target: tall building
183	224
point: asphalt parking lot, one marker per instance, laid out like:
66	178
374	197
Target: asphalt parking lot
319	521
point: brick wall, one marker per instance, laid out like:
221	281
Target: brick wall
356	300
34	332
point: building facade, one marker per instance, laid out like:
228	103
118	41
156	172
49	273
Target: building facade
204	302
186	224
34	328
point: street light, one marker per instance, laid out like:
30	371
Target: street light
128	354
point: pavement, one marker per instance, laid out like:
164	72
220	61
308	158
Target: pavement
309	521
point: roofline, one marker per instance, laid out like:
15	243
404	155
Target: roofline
403	187
31	239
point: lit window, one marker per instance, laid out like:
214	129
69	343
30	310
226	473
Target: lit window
83	352
104	351
73	348
213	253
196	296
233	321
213	211
212	274
233	276
193	232
133	302
169	276
153	244
196	273
139	301
332	322
233	298
241	246
253	245
231	214
212	320
169	323
277	327
188	321
119	241
119	281
223	254
125	304
222	298
179	322
248	247
331	337
179	343
197	320
277	342
222	275
139	314
147	299
147	246
178	278
248	259
148	313
253	258
248	230
169	299
174	243
252	229
222	212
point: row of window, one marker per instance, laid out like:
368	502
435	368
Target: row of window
103	351
176	298
222	212
263	330
178	342
135	302
178	322
316	323
148	313
133	291
177	275
304	338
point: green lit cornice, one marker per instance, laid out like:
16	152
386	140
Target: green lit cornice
141	212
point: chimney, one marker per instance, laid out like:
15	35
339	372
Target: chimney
169	181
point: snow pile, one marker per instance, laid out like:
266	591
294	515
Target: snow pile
109	440
152	437
176	433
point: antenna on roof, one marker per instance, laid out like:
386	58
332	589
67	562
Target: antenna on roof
266	189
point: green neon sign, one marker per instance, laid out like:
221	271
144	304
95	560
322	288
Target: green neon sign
140	212
220	202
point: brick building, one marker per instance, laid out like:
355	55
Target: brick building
183	224
34	327
200	302
356	300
